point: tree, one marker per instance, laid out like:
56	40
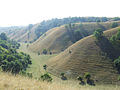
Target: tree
46	77
115	39
44	51
117	63
89	80
3	36
115	24
63	77
98	34
45	67
81	80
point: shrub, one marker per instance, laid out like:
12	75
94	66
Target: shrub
81	80
63	77
119	77
98	34
62	74
115	39
38	53
117	63
87	76
44	51
115	24
3	36
46	77
89	80
50	53
45	67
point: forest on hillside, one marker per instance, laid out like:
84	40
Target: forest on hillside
10	59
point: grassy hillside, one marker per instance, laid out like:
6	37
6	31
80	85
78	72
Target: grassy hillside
59	38
32	32
87	56
24	34
10	82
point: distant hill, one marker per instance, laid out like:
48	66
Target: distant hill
31	32
25	34
87	55
58	39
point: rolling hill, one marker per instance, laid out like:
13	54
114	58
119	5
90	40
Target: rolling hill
58	39
88	55
25	34
32	32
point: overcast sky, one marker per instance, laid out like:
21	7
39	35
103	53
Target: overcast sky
23	12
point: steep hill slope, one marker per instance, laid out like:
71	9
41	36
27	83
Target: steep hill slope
59	38
24	35
87	55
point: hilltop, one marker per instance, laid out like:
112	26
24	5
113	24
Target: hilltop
88	56
58	39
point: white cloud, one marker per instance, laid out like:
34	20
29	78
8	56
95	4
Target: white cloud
23	12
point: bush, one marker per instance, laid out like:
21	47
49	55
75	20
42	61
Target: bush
98	34
38	53
89	80
44	51
115	24
119	77
50	53
81	80
117	63
87	76
45	67
3	36
63	77
46	77
115	39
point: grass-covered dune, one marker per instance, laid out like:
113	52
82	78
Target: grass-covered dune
88	55
58	39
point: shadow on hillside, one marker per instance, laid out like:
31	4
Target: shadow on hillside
107	48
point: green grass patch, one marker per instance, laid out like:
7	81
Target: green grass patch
37	60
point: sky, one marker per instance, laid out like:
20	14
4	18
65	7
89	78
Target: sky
24	12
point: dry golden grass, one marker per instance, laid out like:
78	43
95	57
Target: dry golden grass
86	56
57	39
10	82
51	40
22	35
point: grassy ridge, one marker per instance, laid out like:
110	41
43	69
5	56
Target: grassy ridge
58	39
86	56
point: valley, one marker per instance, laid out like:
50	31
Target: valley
69	53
